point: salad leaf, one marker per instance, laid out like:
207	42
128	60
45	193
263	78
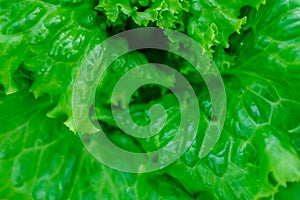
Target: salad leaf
208	18
41	159
255	46
166	13
49	41
259	144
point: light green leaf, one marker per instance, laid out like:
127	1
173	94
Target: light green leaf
40	159
212	22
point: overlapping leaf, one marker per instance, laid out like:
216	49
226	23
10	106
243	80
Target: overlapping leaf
41	159
257	155
49	39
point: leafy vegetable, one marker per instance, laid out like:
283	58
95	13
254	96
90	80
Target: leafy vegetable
46	161
255	46
165	14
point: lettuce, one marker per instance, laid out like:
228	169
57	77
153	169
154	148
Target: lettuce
256	47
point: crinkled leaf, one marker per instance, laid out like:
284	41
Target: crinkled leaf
212	22
49	40
166	13
40	159
257	152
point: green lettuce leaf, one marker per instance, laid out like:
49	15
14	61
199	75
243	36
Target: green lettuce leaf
256	48
166	13
258	151
209	23
212	22
49	39
259	148
40	159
